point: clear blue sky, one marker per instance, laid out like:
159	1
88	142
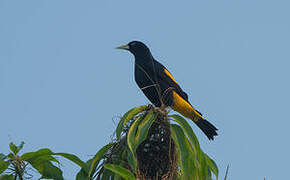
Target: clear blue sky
62	83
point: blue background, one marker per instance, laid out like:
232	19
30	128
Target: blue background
64	86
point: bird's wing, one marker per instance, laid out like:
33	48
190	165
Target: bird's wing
167	81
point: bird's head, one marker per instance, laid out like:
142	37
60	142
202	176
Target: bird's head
137	48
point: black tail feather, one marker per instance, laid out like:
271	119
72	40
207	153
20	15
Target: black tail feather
207	128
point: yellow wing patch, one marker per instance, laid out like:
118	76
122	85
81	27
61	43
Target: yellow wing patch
168	74
184	108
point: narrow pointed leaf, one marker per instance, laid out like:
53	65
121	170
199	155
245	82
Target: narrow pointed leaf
121	124
192	139
227	171
212	165
204	167
31	156
2	156
127	117
72	158
132	161
7	177
3	165
99	155
187	130
143	128
20	146
13	148
185	153
124	173
116	177
83	174
132	134
36	154
131	140
46	169
107	175
41	160
139	130
10	156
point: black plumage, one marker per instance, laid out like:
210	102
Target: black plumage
161	88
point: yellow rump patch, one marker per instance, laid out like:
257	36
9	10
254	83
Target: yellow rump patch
168	74
183	107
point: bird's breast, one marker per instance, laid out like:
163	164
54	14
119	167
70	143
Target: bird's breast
143	77
146	82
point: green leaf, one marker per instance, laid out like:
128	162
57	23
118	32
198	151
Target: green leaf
212	165
187	130
124	173
39	153
83	174
4	165
117	177
42	160
10	156
98	156
107	174
132	160
192	139
137	134
185	153
20	146
227	171
46	169
139	130
7	177
43	154
72	158
132	134
123	156
2	156
143	128
131	140
13	148
127	117
204	169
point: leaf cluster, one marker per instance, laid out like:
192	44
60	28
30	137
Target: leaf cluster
14	166
149	144
120	160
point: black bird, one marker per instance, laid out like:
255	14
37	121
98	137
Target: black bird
161	88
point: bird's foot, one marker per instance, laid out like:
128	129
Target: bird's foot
160	110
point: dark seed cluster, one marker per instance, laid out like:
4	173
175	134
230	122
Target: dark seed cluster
155	155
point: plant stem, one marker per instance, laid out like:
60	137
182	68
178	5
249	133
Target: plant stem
18	172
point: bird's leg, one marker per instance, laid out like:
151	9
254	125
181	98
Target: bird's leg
161	110
163	107
150	106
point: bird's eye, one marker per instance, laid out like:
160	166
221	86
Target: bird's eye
133	44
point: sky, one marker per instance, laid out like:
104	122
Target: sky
63	85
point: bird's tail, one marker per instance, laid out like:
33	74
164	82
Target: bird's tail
207	128
185	108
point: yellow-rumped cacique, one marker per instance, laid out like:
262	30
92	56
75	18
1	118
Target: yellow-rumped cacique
162	89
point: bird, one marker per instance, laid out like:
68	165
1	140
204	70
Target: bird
160	87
